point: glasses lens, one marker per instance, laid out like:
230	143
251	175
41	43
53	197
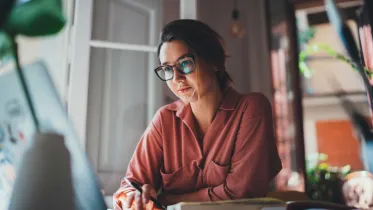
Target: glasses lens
165	72
186	65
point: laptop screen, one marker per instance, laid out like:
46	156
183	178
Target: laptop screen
17	129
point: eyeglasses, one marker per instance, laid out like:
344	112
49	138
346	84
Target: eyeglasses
185	65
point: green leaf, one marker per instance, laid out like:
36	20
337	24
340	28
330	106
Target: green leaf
5	48
316	48
345	170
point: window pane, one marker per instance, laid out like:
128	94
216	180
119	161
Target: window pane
132	22
117	109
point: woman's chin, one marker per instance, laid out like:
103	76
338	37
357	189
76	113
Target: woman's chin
188	96
188	99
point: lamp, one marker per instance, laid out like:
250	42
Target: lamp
236	28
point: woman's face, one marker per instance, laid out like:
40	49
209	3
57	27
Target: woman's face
187	86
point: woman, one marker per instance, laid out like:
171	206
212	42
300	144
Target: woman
214	143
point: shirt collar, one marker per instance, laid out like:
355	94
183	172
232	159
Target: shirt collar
230	99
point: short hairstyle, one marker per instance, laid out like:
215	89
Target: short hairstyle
203	41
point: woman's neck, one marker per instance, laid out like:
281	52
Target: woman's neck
205	109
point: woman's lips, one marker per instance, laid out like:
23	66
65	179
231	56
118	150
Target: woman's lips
184	89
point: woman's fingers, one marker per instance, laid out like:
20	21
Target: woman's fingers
129	200
146	189
139	202
118	205
136	199
121	200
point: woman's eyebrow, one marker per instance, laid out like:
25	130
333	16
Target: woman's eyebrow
168	63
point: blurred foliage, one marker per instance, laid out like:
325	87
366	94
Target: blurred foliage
308	49
325	181
317	48
5	48
305	36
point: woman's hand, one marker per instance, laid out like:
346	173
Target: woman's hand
143	199
139	201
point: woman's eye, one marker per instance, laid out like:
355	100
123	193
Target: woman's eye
187	66
186	63
168	68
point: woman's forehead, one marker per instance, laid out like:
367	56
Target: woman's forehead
170	52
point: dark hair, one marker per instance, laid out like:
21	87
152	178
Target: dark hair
202	41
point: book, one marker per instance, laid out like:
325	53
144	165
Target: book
242	204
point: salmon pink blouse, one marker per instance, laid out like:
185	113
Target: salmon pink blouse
237	157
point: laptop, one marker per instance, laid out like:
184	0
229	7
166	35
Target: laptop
17	129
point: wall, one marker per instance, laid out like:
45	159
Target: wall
327	129
249	62
324	67
33	49
54	52
29	51
171	10
327	109
217	14
336	139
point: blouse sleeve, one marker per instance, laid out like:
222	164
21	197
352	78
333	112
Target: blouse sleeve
144	166
255	161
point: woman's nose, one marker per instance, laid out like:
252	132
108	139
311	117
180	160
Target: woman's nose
178	76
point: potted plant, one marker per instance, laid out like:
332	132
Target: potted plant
324	180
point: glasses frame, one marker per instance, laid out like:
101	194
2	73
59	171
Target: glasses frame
189	55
